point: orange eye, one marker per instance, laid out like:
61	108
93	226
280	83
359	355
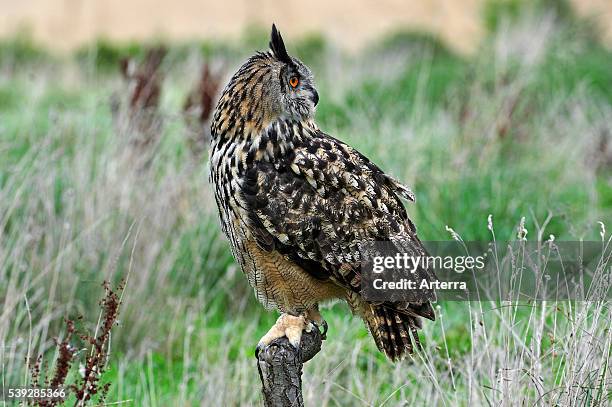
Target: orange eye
294	81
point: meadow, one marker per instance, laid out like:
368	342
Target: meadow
519	133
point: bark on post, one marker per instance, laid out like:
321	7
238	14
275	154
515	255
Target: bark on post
280	369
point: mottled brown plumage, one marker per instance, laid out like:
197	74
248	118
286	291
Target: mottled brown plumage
296	204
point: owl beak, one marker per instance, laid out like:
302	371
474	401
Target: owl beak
315	97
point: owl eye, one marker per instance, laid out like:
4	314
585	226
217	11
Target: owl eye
294	81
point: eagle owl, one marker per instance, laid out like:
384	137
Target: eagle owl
296	204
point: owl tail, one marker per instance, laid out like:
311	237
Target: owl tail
395	330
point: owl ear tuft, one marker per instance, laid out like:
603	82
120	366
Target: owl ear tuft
277	46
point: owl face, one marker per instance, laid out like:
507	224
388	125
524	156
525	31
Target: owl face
296	93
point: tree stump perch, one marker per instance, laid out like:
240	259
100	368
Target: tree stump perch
280	369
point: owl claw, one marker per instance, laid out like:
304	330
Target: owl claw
314	315
286	325
259	348
323	324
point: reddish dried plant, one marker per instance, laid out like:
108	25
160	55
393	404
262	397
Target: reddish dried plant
89	385
144	82
144	79
66	354
198	108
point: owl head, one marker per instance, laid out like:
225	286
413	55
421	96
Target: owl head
297	96
267	87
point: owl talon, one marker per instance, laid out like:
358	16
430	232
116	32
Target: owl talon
260	346
314	315
322	328
325	327
286	325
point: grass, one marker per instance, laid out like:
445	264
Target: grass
513	131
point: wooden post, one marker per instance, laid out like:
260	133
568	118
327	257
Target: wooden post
280	369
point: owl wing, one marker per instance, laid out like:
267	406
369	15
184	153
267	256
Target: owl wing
320	203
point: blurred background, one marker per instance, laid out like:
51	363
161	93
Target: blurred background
497	113
68	24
